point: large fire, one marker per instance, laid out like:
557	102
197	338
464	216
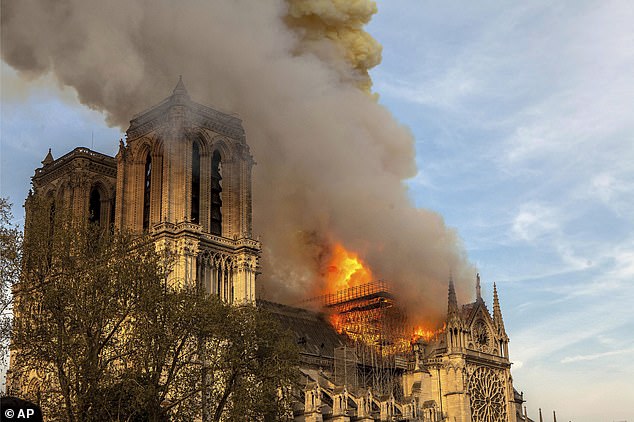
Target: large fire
345	270
364	309
337	322
427	334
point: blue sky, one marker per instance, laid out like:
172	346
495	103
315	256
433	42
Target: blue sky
523	115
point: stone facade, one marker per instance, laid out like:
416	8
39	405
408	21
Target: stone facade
465	373
462	374
184	175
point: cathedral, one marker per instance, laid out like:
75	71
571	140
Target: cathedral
460	373
184	175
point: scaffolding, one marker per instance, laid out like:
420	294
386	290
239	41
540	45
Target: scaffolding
379	341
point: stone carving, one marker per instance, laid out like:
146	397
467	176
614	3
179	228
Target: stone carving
481	336
488	399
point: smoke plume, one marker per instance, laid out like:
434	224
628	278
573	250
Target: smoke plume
333	29
331	161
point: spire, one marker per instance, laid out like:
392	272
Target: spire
497	311
48	159
554	416
541	419
180	87
478	289
452	305
180	92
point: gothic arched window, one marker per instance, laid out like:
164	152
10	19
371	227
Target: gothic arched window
147	184
216	194
94	206
195	198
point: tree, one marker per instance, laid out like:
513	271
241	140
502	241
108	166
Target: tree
250	367
10	255
199	358
103	332
77	297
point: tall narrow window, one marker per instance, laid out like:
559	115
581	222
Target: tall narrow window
147	184
216	194
94	206
195	205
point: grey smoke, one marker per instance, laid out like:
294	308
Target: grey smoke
331	161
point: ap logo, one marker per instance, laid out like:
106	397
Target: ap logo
15	409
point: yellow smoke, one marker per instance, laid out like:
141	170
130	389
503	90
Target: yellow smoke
339	23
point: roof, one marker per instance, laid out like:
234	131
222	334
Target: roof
313	333
220	122
469	309
98	162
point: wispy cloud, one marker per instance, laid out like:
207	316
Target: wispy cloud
594	356
535	220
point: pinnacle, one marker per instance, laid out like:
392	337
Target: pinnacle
452	306
48	159
180	86
497	311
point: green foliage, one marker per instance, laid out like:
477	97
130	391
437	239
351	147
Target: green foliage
10	258
80	290
113	340
251	371
10	248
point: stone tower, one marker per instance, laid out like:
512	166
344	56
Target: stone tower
184	175
81	182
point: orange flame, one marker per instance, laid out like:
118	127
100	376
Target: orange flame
336	321
345	270
427	334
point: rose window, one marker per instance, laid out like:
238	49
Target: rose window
488	402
